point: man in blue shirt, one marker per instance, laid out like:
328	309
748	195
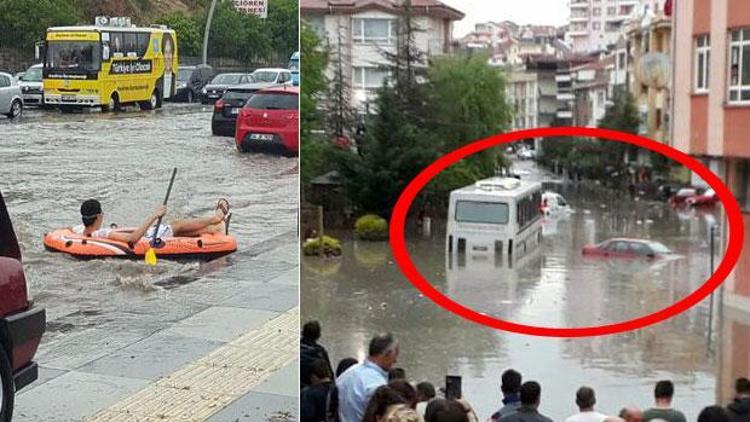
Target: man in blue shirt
511	387
356	385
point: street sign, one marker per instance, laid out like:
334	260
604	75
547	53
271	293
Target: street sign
258	8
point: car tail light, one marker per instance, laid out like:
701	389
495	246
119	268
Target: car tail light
219	104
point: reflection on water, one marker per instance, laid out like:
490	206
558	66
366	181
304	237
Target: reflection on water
364	292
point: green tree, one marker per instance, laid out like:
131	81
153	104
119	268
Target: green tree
189	33
283	26
313	81
469	98
24	22
622	116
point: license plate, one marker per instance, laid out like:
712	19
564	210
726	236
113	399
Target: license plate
68	97
234	111
261	137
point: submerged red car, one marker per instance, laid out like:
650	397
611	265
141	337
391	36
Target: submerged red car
269	121
707	199
628	248
21	323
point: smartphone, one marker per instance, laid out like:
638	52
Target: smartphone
452	387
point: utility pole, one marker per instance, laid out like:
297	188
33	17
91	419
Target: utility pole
207	30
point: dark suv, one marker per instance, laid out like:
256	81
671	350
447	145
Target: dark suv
190	82
21	323
228	107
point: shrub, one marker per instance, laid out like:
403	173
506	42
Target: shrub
328	247
371	227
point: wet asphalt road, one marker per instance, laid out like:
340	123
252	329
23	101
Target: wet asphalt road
53	161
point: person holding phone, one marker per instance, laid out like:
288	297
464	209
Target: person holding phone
357	385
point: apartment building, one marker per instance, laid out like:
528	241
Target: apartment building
365	29
712	122
596	24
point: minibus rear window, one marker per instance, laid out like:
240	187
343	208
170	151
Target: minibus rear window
481	212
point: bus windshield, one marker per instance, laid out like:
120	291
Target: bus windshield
481	212
73	55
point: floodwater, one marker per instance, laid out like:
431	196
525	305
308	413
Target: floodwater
363	293
51	162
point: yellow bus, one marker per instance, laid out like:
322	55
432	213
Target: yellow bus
108	65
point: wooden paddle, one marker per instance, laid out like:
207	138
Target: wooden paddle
151	253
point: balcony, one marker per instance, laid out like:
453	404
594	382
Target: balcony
563	78
579	4
578	33
564	114
565	96
579	18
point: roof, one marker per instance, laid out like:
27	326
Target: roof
284	89
492	187
94	28
419	7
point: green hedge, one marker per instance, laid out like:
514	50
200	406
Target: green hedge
371	227
328	247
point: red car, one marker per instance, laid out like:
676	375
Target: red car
682	196
707	199
21	323
628	248
269	121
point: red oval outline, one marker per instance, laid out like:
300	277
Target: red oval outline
401	254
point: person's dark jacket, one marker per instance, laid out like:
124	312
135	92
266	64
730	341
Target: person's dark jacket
739	410
525	414
510	405
314	401
310	351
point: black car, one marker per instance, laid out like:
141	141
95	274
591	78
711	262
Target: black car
229	105
190	82
221	82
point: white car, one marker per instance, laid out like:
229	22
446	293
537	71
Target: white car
273	75
527	154
11	100
31	86
554	204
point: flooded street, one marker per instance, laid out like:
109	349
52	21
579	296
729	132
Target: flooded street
55	161
114	326
364	292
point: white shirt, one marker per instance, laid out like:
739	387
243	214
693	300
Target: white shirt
102	233
590	416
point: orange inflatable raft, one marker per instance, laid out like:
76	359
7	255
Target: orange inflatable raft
204	247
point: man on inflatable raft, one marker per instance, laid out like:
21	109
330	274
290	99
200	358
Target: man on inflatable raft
93	219
195	238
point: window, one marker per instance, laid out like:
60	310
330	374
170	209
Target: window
4	81
596	26
527	210
372	30
743	185
739	66
597	11
611	11
702	62
482	212
273	101
369	77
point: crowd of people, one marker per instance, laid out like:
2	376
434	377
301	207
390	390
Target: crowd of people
376	390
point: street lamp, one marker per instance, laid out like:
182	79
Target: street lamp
208	29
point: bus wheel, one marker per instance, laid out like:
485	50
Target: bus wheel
152	103
114	103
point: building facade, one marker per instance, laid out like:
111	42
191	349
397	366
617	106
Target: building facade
361	31
596	24
712	122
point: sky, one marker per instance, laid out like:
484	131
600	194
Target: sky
539	12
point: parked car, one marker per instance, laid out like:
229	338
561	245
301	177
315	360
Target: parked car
707	199
273	75
219	84
628	248
682	195
11	98
21	323
227	108
269	121
190	82
527	154
31	85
